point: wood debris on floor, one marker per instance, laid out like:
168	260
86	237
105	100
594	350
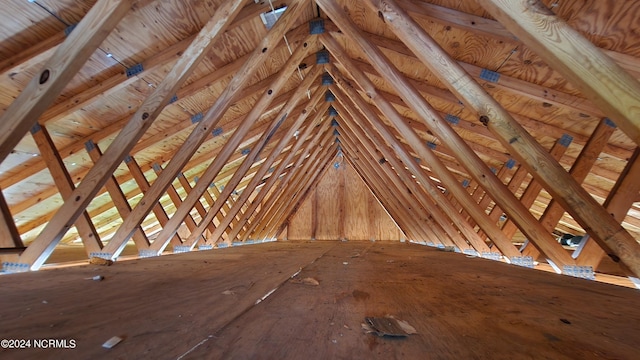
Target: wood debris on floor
387	326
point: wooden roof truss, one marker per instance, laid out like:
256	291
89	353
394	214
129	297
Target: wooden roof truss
223	143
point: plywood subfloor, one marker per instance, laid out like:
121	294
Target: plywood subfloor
462	307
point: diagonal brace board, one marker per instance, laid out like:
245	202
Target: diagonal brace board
118	197
409	162
310	179
9	236
175	198
62	179
276	175
273	207
579	170
618	202
273	211
368	139
223	156
256	111
533	189
268	162
377	183
140	179
426	153
400	203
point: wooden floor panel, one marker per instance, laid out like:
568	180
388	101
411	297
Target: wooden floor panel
462	308
161	306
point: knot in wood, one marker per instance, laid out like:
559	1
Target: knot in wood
44	77
484	120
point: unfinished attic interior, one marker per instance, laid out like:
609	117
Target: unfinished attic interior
402	158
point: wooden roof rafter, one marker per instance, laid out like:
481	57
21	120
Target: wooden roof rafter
408	160
407	199
275	177
270	222
286	138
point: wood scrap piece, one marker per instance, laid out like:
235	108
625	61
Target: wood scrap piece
113	341
388	326
96	278
100	261
410	330
306	281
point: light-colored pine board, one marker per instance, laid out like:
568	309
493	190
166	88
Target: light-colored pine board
301	224
357	212
362	218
